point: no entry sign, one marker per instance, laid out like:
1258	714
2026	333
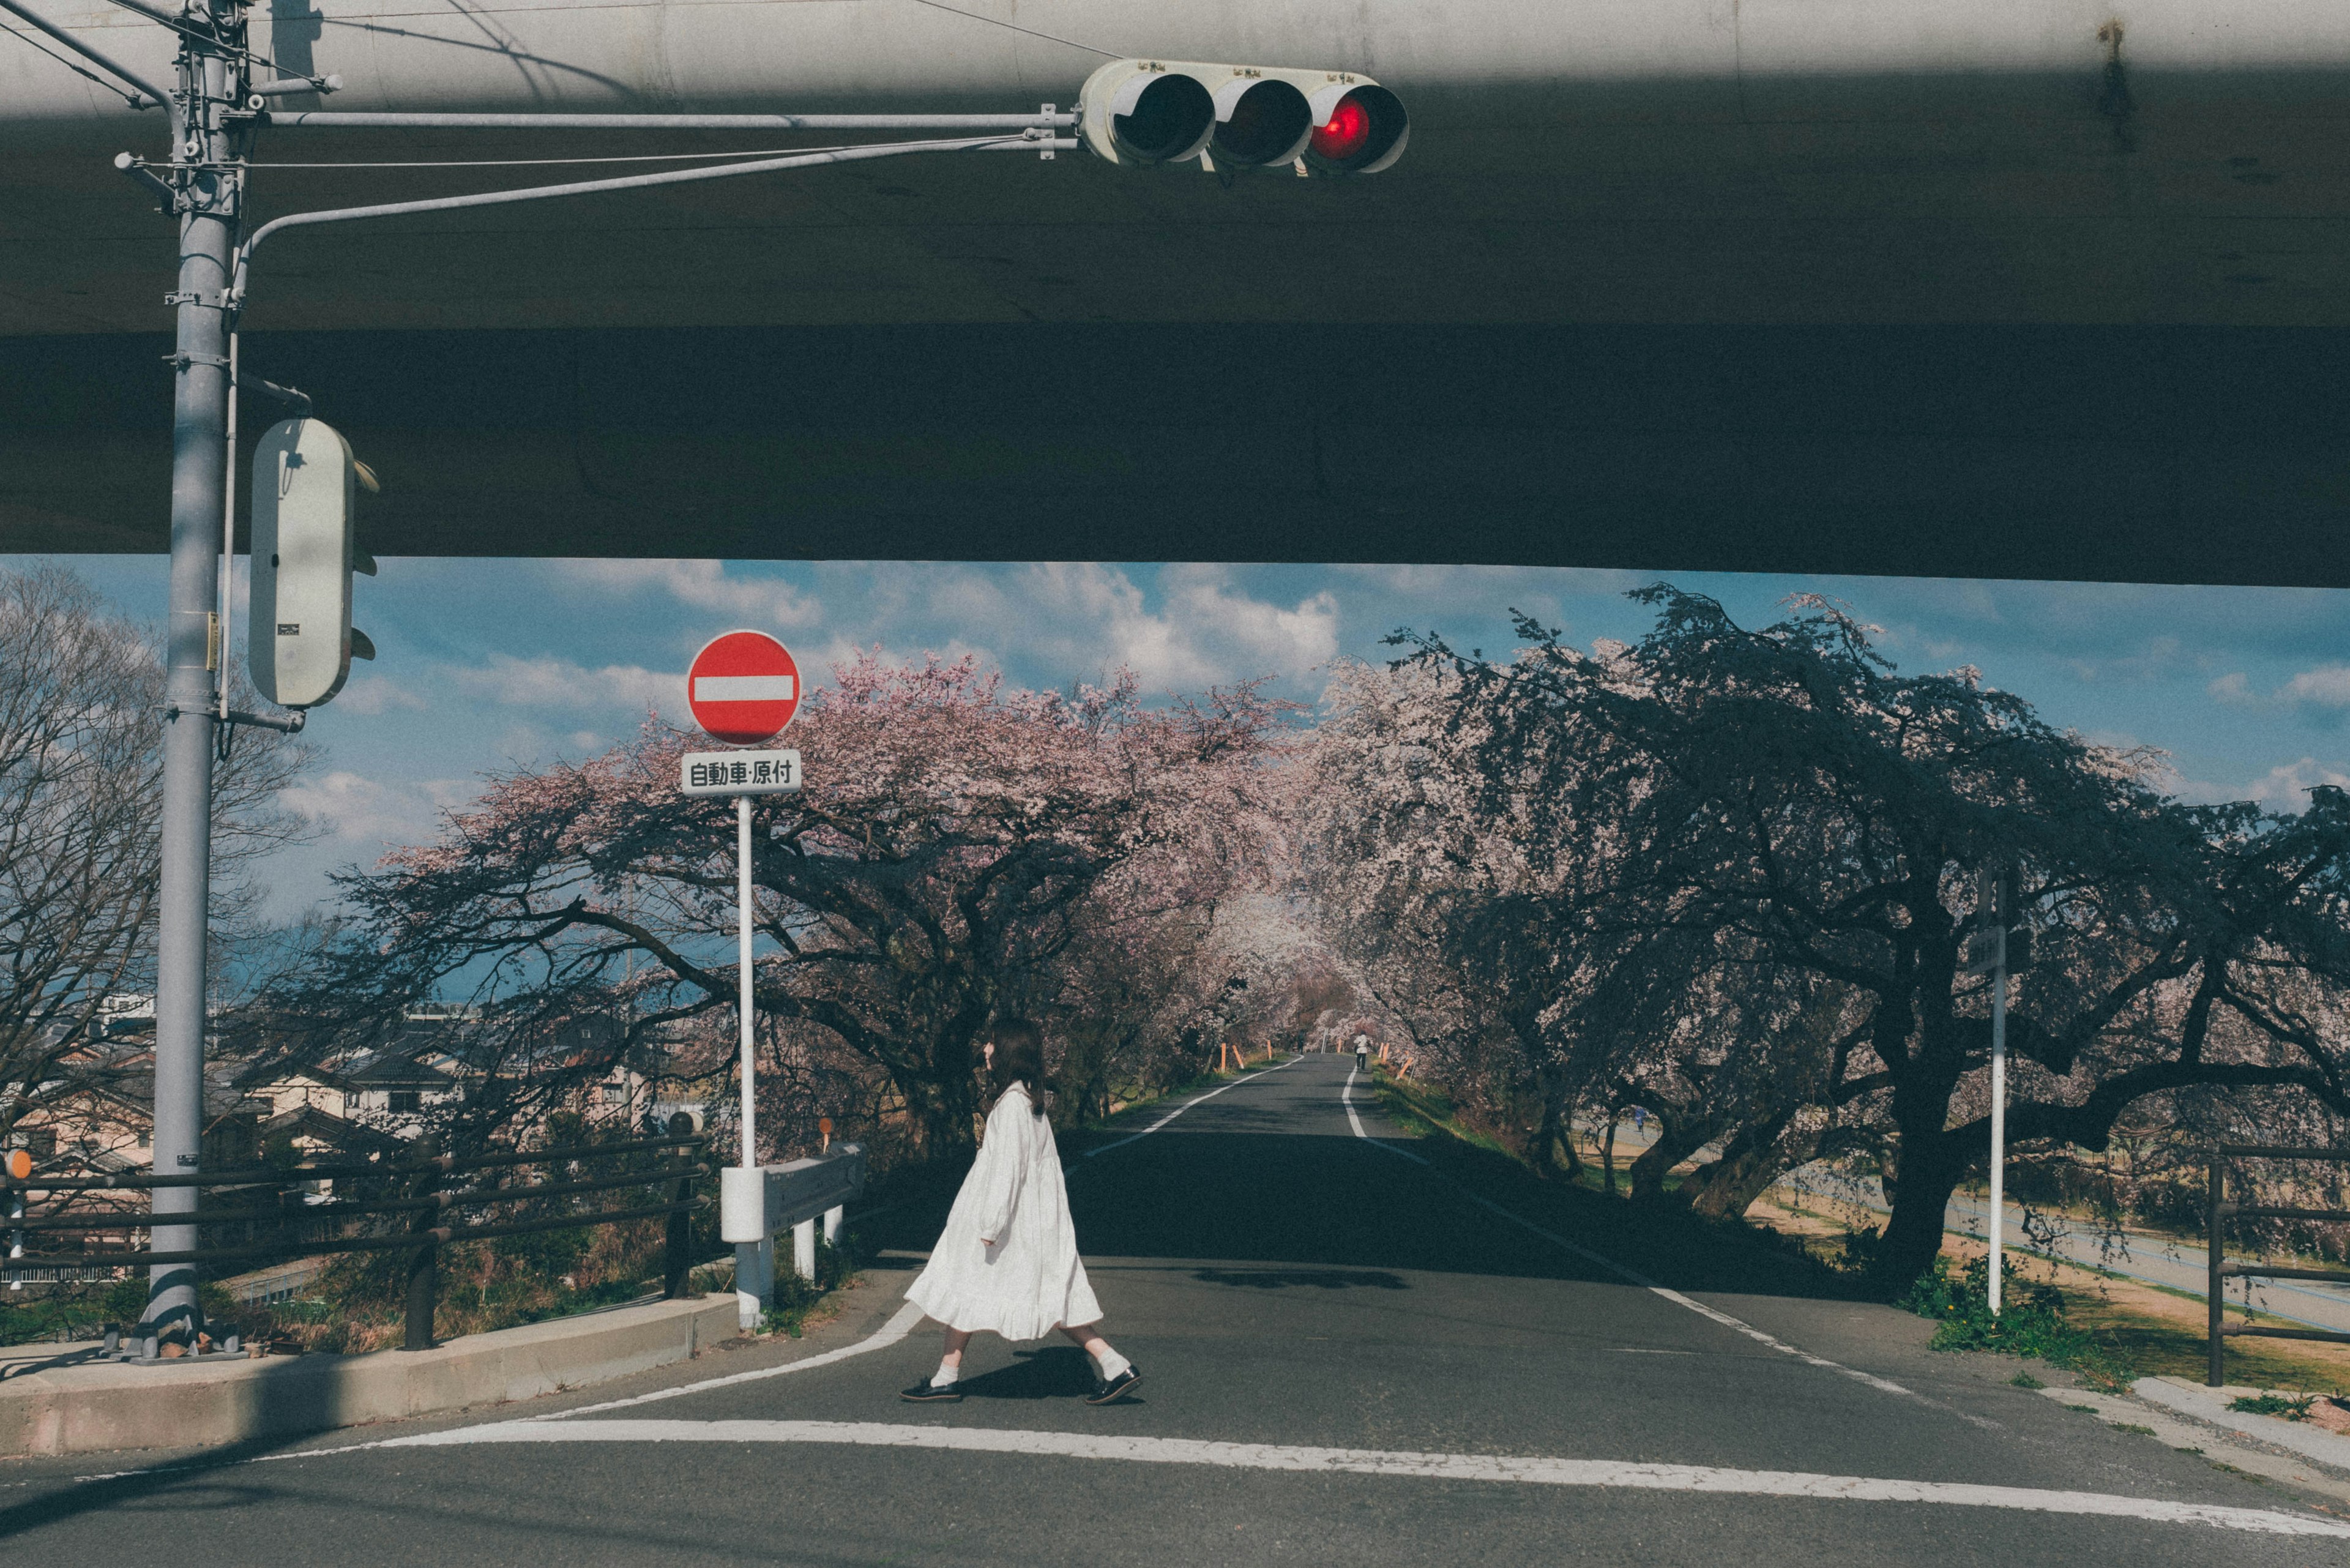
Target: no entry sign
744	687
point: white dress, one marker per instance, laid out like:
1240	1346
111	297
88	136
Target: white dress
1008	1261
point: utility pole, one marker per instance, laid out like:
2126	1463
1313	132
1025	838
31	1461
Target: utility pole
211	191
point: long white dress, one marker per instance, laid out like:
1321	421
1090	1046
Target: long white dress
1008	1261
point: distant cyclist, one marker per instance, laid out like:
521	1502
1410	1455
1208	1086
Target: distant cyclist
1363	1053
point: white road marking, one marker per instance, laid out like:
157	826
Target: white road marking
1510	1468
902	1322
1187	1105
1646	1283
1346	1098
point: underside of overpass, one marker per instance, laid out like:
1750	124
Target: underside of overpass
2010	290
2157	454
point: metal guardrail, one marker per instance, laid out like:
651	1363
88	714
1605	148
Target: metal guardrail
289	1227
2218	1212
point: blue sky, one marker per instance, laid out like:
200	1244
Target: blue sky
492	664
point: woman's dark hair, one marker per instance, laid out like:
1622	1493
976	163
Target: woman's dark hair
1019	1059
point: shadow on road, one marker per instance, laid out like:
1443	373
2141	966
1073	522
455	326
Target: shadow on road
1054	1371
1319	1279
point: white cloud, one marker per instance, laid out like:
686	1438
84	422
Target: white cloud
2234	688
374	694
2287	788
1080	615
2283	788
2327	686
703	584
550	683
357	809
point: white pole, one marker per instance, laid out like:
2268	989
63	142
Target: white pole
742	915
1998	1103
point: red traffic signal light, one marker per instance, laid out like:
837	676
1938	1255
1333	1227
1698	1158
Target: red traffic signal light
1347	132
1361	132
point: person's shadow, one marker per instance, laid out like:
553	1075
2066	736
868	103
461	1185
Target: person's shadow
1055	1372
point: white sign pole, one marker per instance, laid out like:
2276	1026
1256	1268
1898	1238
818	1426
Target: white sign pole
755	1249
742	917
1998	1100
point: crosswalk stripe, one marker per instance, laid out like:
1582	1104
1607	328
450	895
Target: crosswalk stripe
1494	1467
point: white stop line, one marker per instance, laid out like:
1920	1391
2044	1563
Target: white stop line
1523	1471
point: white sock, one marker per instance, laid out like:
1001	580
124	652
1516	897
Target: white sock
1111	1363
944	1378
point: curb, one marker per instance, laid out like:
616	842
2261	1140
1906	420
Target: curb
104	1407
2211	1405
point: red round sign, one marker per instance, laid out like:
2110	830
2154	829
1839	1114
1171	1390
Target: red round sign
744	687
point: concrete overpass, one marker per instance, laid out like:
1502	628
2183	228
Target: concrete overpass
2044	288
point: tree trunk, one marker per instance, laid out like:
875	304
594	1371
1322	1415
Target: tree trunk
1931	1166
1678	1138
944	1111
1608	1148
1554	1142
1761	1154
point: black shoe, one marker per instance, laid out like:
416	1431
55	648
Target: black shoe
1116	1388
929	1393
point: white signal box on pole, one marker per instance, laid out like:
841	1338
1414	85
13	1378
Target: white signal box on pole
301	642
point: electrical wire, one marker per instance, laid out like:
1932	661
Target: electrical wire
519	163
136	101
992	22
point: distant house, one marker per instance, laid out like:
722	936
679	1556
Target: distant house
101	1111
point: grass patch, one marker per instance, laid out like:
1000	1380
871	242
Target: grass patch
2031	1322
2291	1409
2025	1380
800	1303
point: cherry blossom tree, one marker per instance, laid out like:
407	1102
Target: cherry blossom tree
1738	868
954	843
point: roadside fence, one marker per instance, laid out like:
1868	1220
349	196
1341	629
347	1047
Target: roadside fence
2220	1210
443	1199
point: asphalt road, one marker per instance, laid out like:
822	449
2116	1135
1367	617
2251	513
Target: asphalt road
1353	1353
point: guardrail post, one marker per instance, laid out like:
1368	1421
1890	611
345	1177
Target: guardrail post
804	1250
679	1262
424	1260
2216	1375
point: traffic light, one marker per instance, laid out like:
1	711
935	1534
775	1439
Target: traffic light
301	640
1241	117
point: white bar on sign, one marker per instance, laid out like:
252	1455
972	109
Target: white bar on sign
742	688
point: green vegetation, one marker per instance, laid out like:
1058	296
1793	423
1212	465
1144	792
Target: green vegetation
797	1300
2025	1380
2291	1408
2031	1322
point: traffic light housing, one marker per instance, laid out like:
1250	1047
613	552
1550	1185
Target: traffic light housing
301	640
1330	123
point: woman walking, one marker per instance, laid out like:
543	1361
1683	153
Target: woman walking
1007	1263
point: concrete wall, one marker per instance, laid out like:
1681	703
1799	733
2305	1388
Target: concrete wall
101	1407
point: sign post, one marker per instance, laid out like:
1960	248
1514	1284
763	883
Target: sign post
744	687
1990	957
